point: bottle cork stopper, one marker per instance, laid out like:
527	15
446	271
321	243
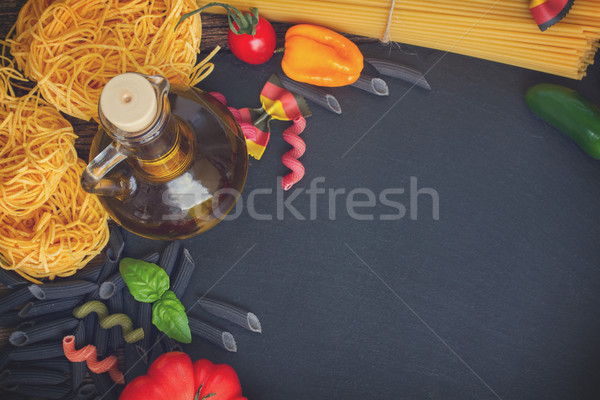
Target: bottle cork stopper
129	102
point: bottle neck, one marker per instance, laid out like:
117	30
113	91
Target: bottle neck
160	152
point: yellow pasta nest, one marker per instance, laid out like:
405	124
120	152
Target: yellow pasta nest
57	238
73	47
36	150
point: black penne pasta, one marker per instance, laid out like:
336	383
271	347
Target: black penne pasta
145	315
152	257
44	307
89	273
61	290
372	85
313	93
91	325
116	242
134	365
130	305
39	351
109	267
50	330
101	341
14	299
58	364
11	279
31	376
169	256
5	356
104	386
48	391
223	339
231	313
183	274
115	334
400	71
78	369
80	335
83	392
9	318
113	284
13	396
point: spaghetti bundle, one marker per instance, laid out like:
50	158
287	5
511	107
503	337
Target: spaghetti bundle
57	238
36	150
502	31
73	47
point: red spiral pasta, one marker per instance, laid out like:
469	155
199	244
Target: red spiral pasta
88	354
290	158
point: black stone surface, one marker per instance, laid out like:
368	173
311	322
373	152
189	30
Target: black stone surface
496	299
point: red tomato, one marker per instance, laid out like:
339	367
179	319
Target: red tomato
255	49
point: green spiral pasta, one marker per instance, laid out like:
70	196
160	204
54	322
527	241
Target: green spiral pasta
108	321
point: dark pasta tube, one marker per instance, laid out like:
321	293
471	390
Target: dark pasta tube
89	273
48	391
116	242
78	369
372	85
9	318
183	274
58	364
169	256
110	265
400	71
152	257
49	330
38	308
10	279
40	351
61	290
314	93
31	376
110	286
224	340
231	313
83	392
14	299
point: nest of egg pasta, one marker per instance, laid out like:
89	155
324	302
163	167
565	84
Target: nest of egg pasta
72	48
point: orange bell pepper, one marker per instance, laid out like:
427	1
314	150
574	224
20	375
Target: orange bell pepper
320	56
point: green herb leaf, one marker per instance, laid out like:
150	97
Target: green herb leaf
168	314
146	281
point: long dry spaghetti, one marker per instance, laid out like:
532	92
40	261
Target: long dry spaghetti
57	238
497	30
73	47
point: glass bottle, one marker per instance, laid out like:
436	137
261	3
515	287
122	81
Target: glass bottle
166	164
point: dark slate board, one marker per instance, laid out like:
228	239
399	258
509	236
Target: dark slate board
498	299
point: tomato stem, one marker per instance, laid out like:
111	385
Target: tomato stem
239	23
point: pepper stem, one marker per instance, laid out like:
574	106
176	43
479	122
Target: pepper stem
244	23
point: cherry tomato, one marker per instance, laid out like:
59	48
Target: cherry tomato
255	49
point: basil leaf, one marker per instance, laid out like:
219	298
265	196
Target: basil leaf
146	281
168	314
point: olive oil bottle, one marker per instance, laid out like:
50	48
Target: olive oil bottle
166	162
